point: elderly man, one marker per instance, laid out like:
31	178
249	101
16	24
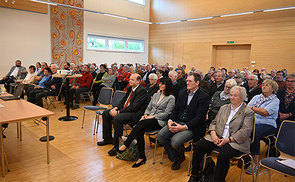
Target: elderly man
280	79
253	88
50	87
231	74
218	84
175	87
187	120
147	73
129	111
16	72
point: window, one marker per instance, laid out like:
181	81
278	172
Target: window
142	2
105	43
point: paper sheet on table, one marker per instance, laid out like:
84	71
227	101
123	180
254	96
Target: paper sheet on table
288	162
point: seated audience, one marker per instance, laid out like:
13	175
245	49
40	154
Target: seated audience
38	67
218	84
82	84
16	72
240	79
129	111
266	108
66	66
219	99
181	78
51	87
253	88
154	118
287	100
187	121
29	79
175	88
125	77
97	82
280	79
93	71
231	74
148	71
152	87
230	131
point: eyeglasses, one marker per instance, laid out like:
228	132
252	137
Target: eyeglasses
290	81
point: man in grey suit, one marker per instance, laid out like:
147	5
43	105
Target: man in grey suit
16	72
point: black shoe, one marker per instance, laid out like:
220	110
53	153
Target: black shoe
112	152
193	178
120	151
176	165
135	165
75	107
105	142
44	118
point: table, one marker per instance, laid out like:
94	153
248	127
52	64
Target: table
16	111
68	117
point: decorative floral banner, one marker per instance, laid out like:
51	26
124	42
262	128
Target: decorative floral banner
66	32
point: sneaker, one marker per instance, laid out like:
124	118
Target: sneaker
249	169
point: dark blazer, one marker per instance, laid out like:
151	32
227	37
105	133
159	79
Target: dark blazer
152	90
291	109
256	91
53	81
213	88
138	102
182	83
196	113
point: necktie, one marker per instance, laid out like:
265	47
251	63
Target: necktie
128	100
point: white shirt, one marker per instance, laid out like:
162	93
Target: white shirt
233	111
15	71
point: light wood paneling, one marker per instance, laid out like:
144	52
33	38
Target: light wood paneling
271	34
25	5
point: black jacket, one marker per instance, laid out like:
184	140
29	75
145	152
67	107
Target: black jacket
53	81
213	88
196	113
291	109
256	91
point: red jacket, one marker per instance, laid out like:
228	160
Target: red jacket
85	80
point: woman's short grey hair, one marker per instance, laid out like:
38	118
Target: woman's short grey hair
255	77
232	82
290	76
274	85
153	76
242	91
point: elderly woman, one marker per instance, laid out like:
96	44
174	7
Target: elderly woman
230	131
219	99
266	107
154	118
152	87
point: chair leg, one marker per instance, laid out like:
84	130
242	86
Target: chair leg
190	160
242	170
83	118
154	154
268	147
94	124
20	132
6	162
17	129
97	123
162	155
252	163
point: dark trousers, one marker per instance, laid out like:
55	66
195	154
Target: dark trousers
226	153
96	90
261	130
119	120
138	132
36	95
6	82
77	94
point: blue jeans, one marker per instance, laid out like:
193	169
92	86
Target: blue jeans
261	130
173	142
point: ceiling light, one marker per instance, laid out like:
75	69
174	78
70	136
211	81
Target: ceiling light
204	18
278	9
236	14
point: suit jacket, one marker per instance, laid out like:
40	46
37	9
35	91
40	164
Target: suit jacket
162	110
19	75
256	91
213	88
291	109
152	90
196	112
53	81
182	83
240	126
138	102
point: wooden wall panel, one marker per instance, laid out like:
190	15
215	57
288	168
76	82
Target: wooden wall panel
271	34
25	5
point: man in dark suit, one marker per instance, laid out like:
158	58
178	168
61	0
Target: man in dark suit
218	84
51	88
129	111
187	120
253	88
149	70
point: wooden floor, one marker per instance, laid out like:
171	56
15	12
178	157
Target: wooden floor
76	157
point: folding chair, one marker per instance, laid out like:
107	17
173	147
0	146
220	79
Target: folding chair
118	96
105	98
53	99
87	95
285	144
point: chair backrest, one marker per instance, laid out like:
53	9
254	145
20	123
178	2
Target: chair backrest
118	96
92	83
253	130
60	89
105	96
285	142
